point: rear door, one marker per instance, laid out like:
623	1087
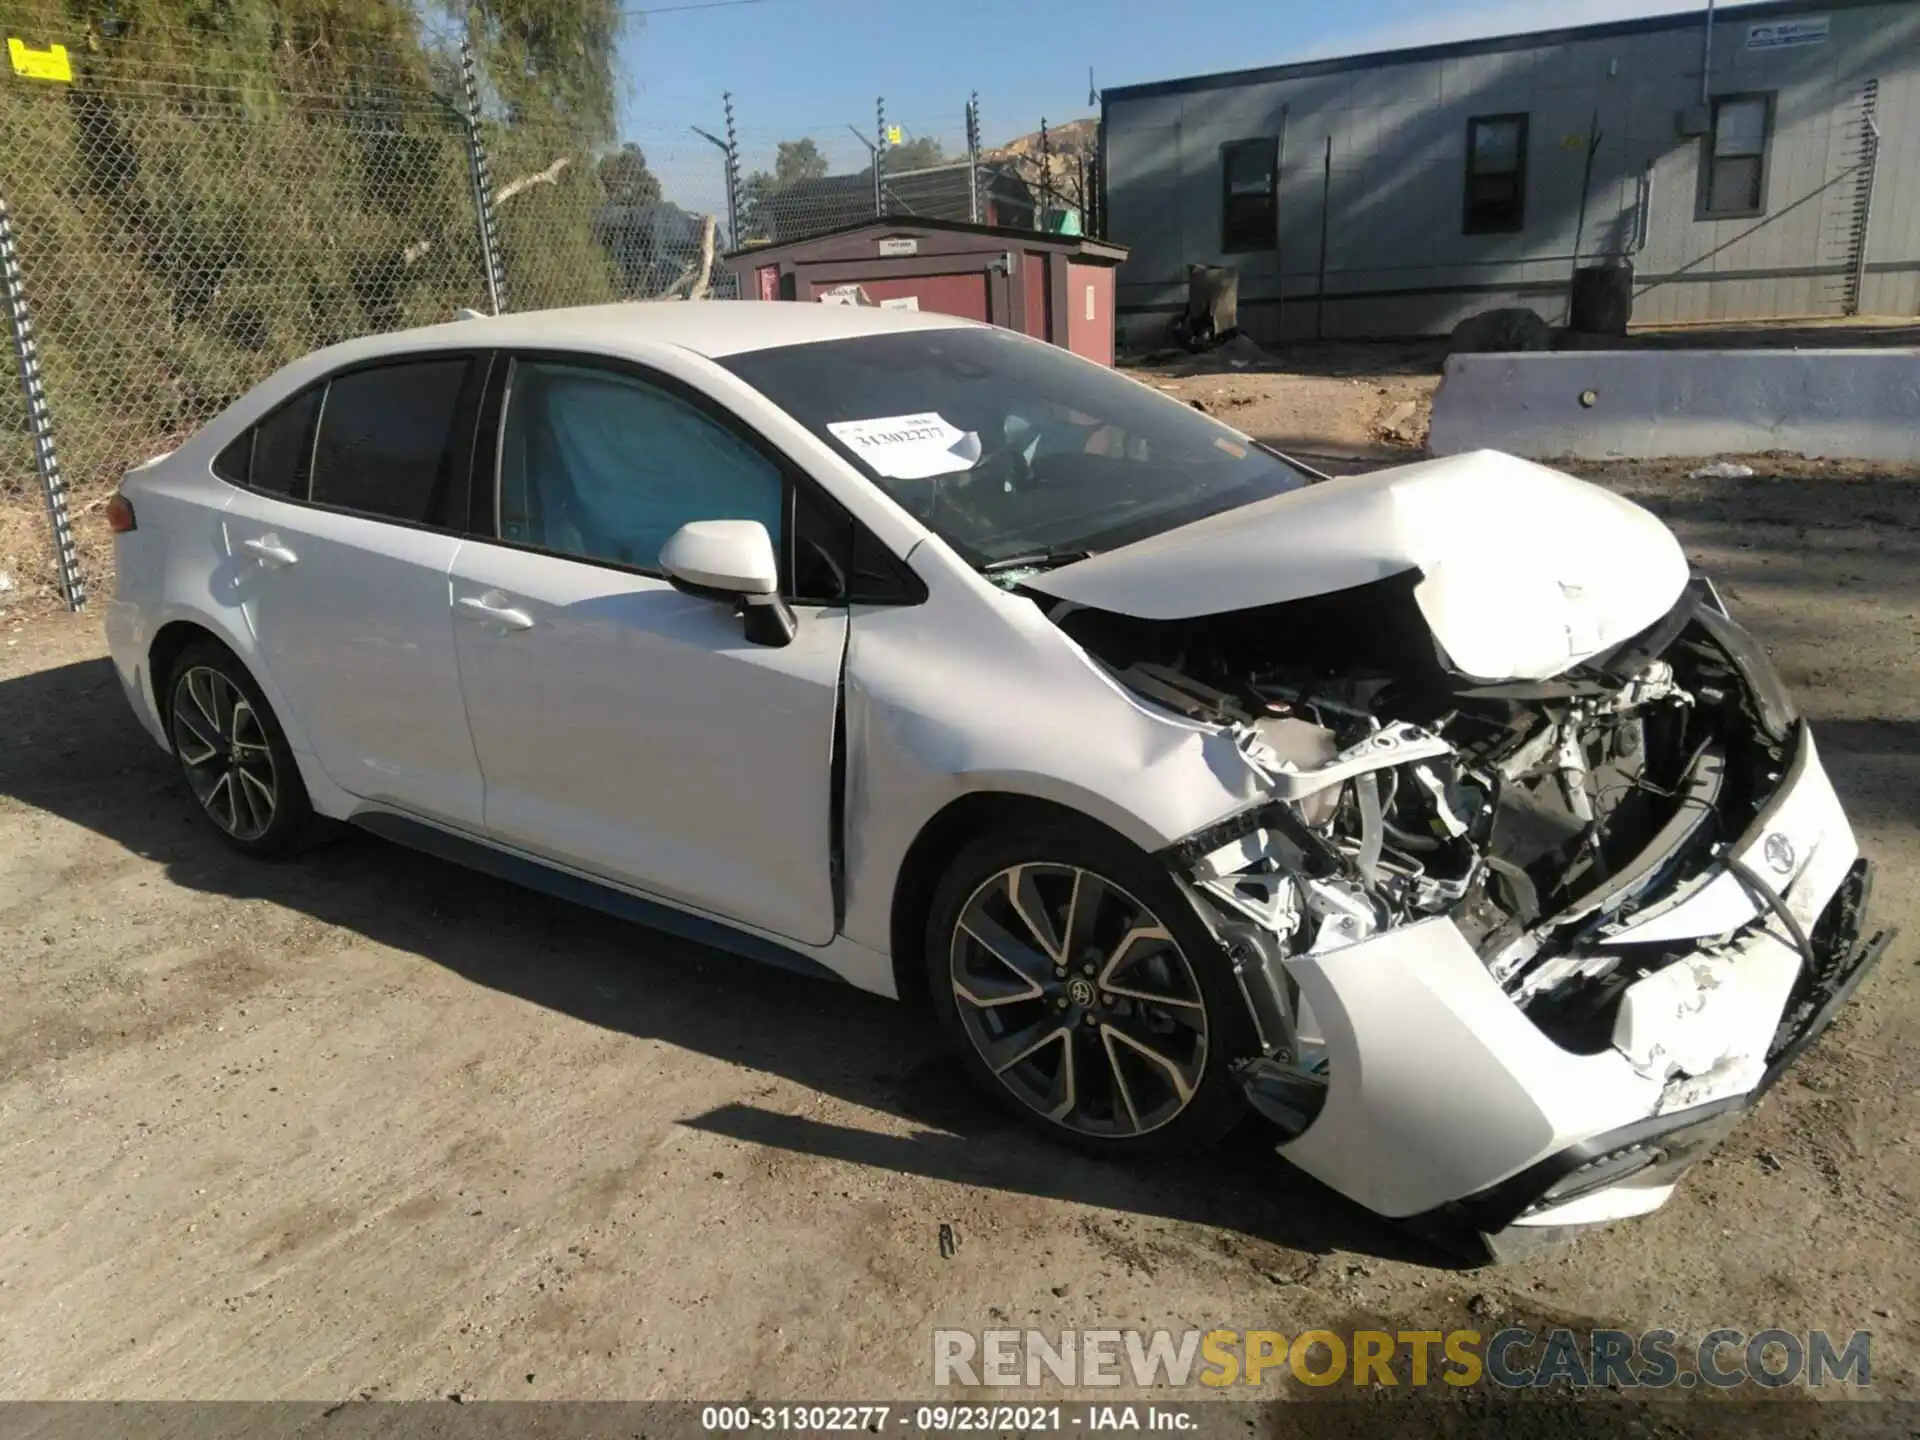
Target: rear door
357	492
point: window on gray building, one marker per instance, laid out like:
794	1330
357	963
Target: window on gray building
1250	173
1496	199
1733	180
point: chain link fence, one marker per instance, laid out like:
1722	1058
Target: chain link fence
176	243
177	248
575	229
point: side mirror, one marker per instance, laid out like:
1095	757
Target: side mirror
732	561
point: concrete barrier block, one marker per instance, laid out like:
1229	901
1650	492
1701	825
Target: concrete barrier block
1655	404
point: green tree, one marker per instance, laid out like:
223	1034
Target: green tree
797	160
920	153
626	179
794	161
546	60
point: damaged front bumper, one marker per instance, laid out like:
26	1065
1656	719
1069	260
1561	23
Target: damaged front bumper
1634	1168
1446	1106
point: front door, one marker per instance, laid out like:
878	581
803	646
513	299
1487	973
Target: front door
625	729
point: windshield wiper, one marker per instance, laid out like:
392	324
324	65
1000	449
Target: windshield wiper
1036	560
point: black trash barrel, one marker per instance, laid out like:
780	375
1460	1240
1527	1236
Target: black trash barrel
1602	299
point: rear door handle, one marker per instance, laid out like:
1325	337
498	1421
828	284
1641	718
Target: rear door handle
492	609
269	549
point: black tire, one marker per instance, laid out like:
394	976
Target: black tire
233	754
1154	1002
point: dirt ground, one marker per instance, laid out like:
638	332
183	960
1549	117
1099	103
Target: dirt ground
1333	406
367	1125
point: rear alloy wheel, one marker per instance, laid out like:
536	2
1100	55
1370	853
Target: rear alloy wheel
233	755
1087	1006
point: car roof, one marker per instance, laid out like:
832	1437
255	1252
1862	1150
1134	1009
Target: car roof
712	328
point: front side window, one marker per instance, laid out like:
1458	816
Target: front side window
1496	199
1250	174
385	445
604	466
1008	448
1733	182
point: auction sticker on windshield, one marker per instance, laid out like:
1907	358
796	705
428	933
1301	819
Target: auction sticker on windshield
909	447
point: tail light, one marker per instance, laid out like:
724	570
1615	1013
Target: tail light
120	515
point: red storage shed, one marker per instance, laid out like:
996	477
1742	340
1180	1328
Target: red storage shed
1053	287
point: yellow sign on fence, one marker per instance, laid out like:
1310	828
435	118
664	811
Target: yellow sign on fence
48	64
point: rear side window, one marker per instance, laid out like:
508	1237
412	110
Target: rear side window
385	444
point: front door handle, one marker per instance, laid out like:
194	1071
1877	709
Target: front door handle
492	608
269	550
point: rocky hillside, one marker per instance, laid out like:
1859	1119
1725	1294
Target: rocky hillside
1070	144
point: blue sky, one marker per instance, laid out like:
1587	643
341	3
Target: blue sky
812	67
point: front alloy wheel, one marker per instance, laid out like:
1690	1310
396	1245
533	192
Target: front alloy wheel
1079	1000
224	752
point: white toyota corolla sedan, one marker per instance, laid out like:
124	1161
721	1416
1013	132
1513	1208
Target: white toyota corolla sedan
1440	815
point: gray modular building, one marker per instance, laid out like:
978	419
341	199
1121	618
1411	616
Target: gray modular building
1765	168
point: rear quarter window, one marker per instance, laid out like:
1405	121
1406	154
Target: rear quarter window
282	455
275	455
233	463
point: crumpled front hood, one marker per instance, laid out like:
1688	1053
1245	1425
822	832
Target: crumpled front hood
1525	571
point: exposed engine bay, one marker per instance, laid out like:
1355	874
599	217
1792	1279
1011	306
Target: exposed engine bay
1539	816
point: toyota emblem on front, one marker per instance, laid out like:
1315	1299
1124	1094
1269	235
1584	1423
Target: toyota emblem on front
1779	853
